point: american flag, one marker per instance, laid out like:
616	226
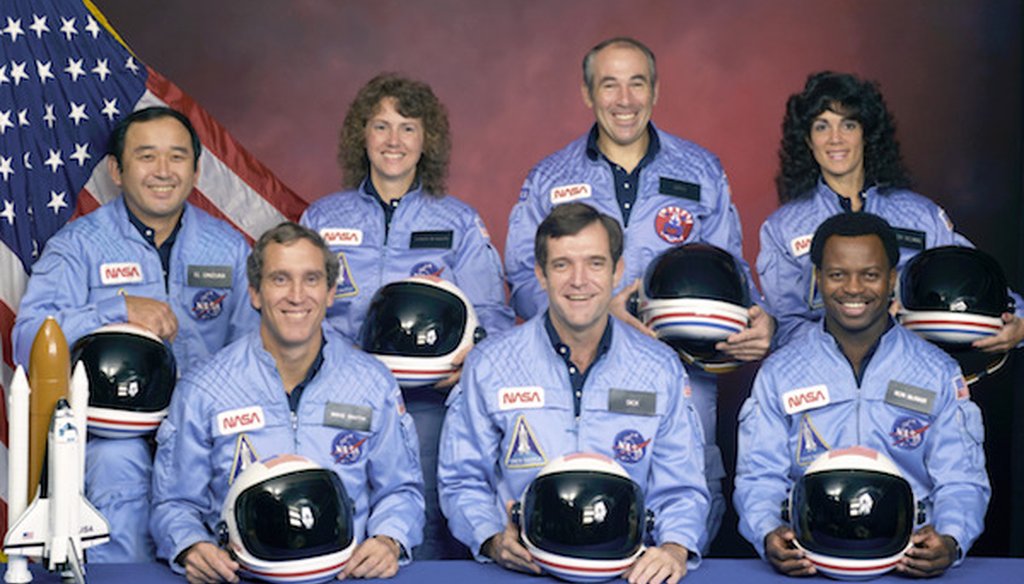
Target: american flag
66	78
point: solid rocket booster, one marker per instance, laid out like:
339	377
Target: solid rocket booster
17	468
49	368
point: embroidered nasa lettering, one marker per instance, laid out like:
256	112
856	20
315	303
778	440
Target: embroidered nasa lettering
240	420
337	236
566	193
120	273
520	398
805	398
801	245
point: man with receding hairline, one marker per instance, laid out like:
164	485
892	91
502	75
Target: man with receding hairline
664	191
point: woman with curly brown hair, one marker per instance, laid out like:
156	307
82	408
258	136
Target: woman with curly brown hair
839	154
395	220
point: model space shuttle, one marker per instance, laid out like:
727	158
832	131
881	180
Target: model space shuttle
46	456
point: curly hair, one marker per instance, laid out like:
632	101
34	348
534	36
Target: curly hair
414	99
849	97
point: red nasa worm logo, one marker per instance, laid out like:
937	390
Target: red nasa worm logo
673	224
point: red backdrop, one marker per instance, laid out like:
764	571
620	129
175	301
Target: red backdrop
280	74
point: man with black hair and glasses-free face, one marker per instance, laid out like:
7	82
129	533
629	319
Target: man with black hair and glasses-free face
664	191
151	259
600	386
860	379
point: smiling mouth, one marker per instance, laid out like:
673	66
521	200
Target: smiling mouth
853	308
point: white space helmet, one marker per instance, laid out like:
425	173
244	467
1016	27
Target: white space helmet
416	326
286	519
582	518
853	513
131	377
694	296
953	296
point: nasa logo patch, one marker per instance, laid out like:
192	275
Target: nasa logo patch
565	193
207	304
908	432
347	447
629	446
425	269
801	245
673	224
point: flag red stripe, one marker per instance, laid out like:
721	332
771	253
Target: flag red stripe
222	145
86	204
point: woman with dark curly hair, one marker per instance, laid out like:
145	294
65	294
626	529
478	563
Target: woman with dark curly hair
839	154
394	220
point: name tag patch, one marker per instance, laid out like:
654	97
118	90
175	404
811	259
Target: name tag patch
801	245
348	416
520	398
910	238
678	188
209	276
431	240
908	397
240	420
120	273
805	398
624	401
566	193
338	236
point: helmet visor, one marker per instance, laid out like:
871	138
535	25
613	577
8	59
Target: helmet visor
853	514
413	320
126	371
586	515
697	271
296	516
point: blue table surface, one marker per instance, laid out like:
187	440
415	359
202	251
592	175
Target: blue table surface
745	571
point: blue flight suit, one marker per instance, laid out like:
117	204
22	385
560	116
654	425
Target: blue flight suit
682	197
81	278
420	233
207	428
807	400
784	262
514	410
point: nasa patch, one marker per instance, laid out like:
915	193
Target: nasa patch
908	432
239	420
795	401
346	284
566	193
520	398
524	450
673	224
207	304
801	245
809	444
425	269
347	447
120	273
338	236
629	446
